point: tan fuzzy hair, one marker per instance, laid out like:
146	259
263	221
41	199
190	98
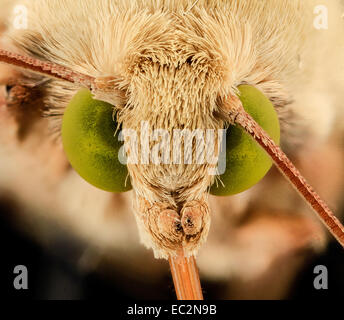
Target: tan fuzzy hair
175	63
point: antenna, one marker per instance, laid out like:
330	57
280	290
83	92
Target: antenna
46	68
291	173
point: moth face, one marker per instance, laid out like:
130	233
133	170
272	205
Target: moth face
169	109
168	152
165	70
166	74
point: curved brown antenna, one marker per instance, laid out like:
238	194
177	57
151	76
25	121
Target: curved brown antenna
291	173
46	68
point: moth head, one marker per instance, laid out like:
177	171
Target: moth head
173	217
162	128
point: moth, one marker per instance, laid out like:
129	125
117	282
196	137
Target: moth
178	65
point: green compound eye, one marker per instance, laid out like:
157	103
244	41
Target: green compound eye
92	148
246	162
